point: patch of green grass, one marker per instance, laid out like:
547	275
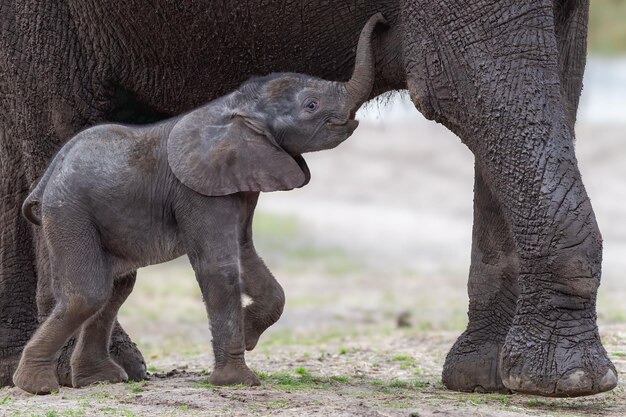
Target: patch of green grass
418	383
276	404
535	402
117	412
52	414
406	361
135	387
396	383
388	387
5	400
343	350
476	399
100	395
152	368
401	358
204	384
619	354
300	378
73	413
340	379
504	399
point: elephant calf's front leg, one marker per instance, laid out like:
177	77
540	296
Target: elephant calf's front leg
222	294
267	298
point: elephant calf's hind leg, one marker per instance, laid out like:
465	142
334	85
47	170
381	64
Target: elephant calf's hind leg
91	361
83	283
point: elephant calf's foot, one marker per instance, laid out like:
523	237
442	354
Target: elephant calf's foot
252	334
256	321
36	377
565	362
474	366
234	375
87	373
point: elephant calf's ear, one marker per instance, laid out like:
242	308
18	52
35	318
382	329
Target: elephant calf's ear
227	156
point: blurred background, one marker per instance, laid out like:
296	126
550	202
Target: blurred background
382	234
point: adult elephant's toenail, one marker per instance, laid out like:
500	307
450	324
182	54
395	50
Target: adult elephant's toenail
608	381
575	382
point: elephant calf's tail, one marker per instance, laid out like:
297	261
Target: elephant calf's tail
27	209
35	197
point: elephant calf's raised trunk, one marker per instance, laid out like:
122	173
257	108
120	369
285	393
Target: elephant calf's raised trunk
359	87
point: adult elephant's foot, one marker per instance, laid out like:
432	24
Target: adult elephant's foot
8	365
474	366
561	359
86	372
234	374
36	377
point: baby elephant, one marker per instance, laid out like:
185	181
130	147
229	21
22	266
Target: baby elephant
116	198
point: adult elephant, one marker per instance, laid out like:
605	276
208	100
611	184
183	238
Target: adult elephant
504	76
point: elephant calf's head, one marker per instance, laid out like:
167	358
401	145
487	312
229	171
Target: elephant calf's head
252	139
307	114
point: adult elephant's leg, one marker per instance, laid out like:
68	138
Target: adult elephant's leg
501	90
553	346
37	113
473	362
18	310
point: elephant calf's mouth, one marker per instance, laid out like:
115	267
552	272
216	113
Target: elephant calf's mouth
349	123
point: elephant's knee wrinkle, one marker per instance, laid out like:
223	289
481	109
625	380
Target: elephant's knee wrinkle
82	307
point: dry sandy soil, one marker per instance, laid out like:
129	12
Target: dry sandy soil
382	231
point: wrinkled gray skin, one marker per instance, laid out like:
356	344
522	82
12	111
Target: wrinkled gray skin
117	198
504	76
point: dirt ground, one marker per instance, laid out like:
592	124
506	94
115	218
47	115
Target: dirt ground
382	233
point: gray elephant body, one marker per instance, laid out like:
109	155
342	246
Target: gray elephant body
504	76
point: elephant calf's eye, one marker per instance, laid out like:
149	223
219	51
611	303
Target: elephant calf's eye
311	105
